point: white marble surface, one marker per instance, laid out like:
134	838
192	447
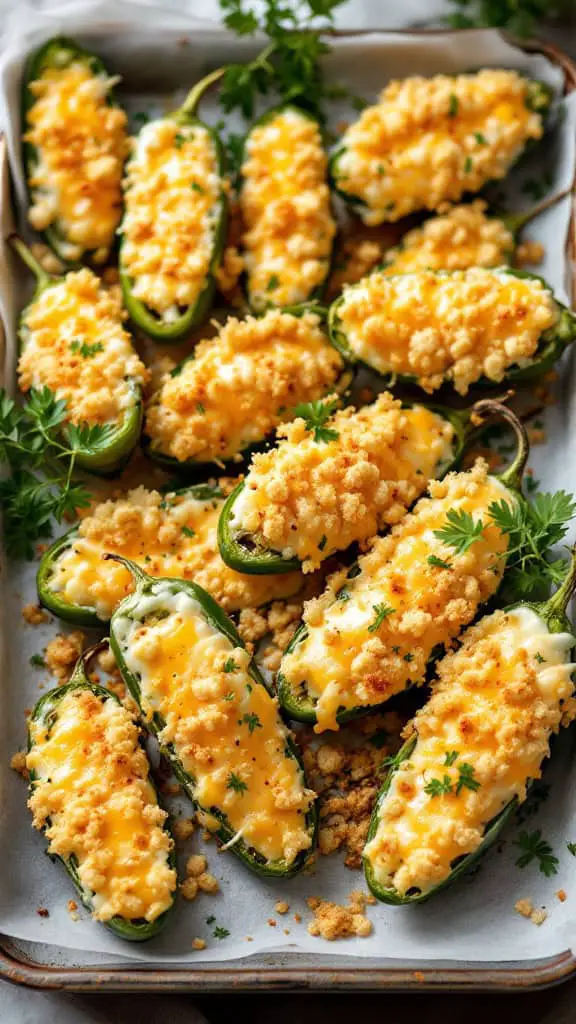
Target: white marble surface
24	1006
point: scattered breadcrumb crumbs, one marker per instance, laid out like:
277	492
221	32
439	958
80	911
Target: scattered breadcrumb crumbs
198	944
189	888
72	908
18	763
282	907
207	882
526	909
62	653
538	916
43	912
297	918
248	938
560	895
271	922
196	865
207	836
286	931
528	252
34	615
333	921
183	828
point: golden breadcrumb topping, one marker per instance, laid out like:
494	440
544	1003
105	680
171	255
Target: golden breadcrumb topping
62	653
172	193
95	801
81	145
223	725
463	236
371	636
430	140
285	204
311	497
240	385
34	615
75	344
458	326
167	535
333	921
485	732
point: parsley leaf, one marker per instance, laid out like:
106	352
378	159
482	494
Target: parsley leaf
433	560
188	531
533	847
236	783
252	721
437	787
230	665
196	187
382	612
220	933
460	531
453	108
84	349
273	282
466	778
480	139
571	848
315	415
451	756
37	661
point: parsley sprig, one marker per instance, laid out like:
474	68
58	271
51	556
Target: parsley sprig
460	531
289	64
315	416
535	848
382	612
41	458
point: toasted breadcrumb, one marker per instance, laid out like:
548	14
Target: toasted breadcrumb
189	888
529	252
333	921
198	944
62	653
34	615
196	865
538	916
183	828
282	907
207	882
560	895
43	912
272	922
18	763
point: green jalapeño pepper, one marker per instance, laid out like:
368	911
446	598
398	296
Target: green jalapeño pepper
477	745
71	730
421	445
201	695
173	231
411	572
285	204
224	402
73	342
431	141
74	148
171	534
505	325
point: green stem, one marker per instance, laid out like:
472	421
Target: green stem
558	603
515	222
31	262
136	572
189	107
85	657
512	475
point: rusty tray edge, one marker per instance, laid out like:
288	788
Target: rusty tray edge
263	977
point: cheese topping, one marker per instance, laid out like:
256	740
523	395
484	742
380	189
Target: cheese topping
311	497
349	657
458	326
285	203
461	237
98	807
223	725
75	344
167	535
497	701
172	199
240	385
81	146
430	140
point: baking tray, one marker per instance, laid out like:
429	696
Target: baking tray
39	966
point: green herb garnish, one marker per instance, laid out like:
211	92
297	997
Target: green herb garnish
236	783
252	721
315	415
382	612
460	531
433	560
82	348
533	847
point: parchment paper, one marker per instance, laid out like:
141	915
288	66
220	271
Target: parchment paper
474	920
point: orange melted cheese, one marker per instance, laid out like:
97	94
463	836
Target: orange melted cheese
456	239
285	205
81	144
311	497
458	326
496	703
223	726
95	801
347	659
429	141
167	535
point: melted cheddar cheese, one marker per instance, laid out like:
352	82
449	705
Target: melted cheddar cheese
240	385
223	725
436	327
349	658
172	209
285	205
98	807
167	535
74	343
456	239
430	140
308	498
81	145
496	703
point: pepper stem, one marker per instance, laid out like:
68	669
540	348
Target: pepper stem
31	262
136	572
515	222
558	603
196	93
512	475
86	656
